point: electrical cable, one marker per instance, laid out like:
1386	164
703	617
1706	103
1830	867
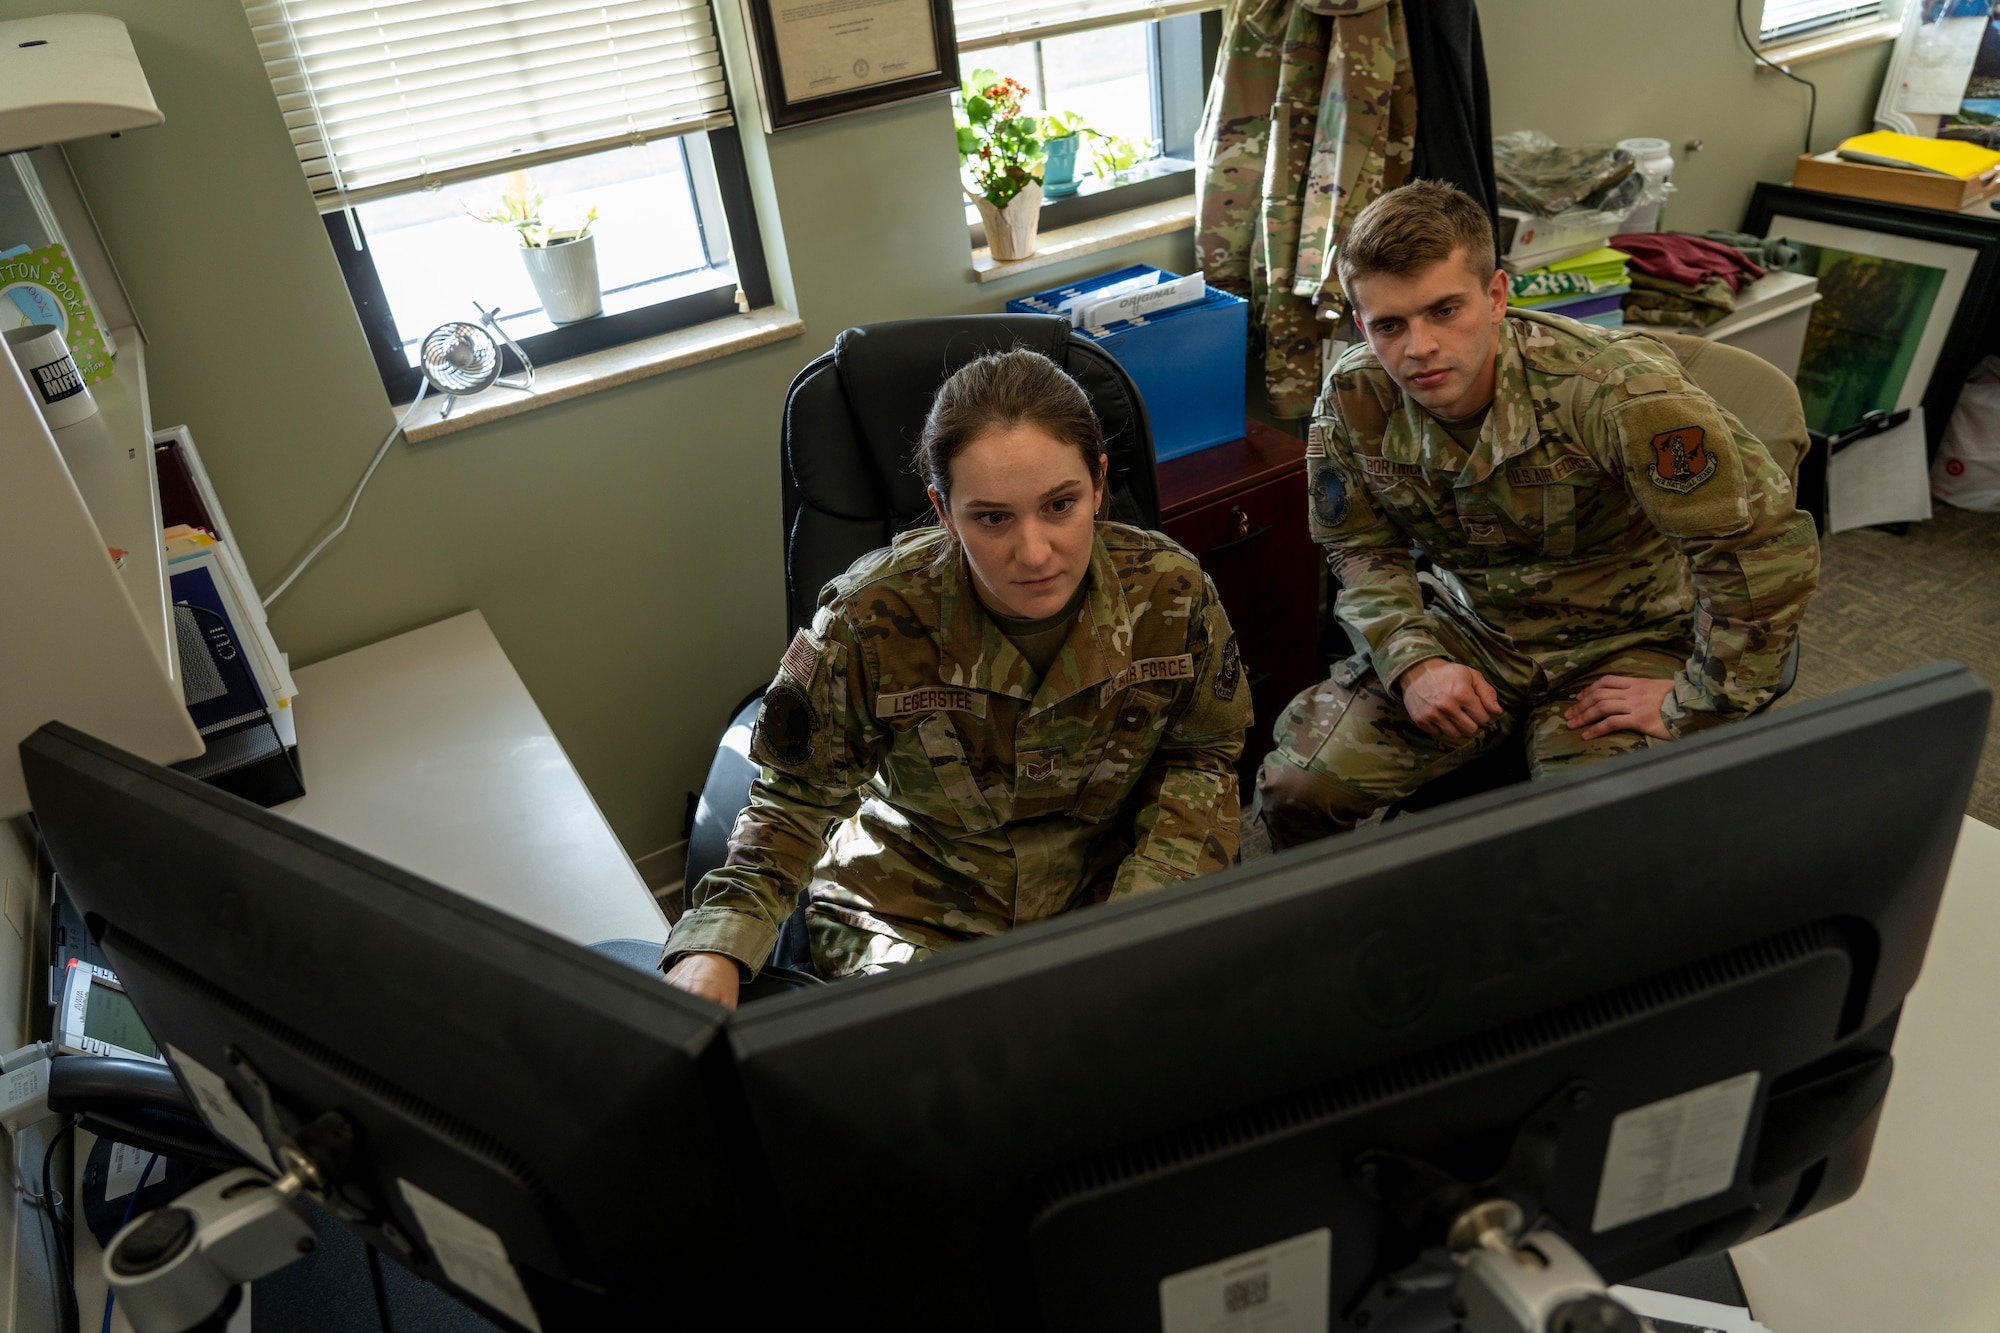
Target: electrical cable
71	1316
355	499
130	1204
381	1289
1812	104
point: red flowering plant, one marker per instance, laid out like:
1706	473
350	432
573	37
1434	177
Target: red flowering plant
999	140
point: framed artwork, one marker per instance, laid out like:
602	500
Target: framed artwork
821	58
1907	302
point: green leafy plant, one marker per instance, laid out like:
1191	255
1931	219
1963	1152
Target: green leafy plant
1062	124
520	207
1112	154
999	145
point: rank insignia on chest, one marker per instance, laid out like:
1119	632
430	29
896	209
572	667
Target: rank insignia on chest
1681	461
1039	765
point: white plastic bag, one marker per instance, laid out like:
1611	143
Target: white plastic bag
1966	472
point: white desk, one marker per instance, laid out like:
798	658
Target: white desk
1914	1249
427	751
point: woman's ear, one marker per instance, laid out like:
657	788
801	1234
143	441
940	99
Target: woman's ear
942	511
1100	486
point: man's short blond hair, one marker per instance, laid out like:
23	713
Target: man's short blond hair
1413	227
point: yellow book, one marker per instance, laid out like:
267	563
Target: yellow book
1940	157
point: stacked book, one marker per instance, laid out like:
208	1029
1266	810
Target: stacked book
237	685
1585	286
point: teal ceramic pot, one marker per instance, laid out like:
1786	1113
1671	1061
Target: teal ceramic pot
1059	165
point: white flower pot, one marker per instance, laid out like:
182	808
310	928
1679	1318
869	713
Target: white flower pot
1010	231
565	277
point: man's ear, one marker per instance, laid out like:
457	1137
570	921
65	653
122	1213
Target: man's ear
1499	290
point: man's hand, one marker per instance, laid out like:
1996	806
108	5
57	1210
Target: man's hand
712	976
1449	701
1620	703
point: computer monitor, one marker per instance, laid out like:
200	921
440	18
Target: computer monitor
1652	1002
530	1121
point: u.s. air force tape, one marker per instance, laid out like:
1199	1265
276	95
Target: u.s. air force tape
1155	668
930	699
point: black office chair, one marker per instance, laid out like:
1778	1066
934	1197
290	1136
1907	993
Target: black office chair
852	420
1766	401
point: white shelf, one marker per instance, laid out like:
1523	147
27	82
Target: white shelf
110	457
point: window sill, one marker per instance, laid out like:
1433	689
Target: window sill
607	370
1820	45
1088	238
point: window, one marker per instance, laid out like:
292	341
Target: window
410	116
1141	81
1785	20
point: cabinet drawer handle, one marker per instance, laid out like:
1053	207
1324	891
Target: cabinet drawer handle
1239	523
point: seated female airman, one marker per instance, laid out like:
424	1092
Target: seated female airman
1019	712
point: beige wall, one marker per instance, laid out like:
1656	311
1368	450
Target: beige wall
1604	70
625	546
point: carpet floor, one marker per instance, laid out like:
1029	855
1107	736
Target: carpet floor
1888	603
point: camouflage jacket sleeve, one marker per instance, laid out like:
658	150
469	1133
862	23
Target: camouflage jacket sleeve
1715	492
1379	595
1187	802
816	744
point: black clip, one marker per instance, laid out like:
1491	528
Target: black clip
1872	423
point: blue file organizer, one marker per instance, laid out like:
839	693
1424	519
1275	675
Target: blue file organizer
1190	362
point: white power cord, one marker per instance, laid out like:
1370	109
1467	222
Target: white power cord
354	499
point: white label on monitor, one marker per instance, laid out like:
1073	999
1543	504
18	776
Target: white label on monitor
471	1254
1674	1151
220	1110
1281	1288
127	1165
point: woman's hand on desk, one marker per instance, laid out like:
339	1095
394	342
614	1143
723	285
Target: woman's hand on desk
712	976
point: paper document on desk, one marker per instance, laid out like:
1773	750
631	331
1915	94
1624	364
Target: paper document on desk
1663	1312
1880	479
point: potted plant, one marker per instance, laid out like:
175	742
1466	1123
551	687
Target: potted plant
1062	136
561	262
1112	155
1000	149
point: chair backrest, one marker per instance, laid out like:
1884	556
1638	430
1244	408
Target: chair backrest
1760	395
854	415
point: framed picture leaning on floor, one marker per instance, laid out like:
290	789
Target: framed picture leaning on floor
1907	302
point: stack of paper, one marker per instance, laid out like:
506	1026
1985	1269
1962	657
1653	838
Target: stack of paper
1584	287
1147	294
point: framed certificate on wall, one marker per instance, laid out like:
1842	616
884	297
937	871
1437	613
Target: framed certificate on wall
822	58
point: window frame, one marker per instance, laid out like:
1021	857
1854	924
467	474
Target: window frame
1180	59
1830	25
729	190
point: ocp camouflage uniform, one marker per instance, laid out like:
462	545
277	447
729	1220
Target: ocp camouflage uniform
1612	520
1312	116
964	796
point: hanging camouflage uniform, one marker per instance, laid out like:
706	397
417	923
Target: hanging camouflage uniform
930	789
1312	116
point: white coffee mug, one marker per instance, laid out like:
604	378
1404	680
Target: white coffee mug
58	386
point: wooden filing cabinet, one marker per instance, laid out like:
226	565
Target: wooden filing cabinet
1241	509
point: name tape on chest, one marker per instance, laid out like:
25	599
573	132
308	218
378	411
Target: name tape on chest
930	699
1388	468
1154	668
1549	474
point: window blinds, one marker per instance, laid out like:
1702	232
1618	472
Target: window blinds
1784	19
393	95
987	23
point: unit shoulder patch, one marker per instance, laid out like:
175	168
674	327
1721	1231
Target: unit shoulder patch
1228	671
1681	461
786	724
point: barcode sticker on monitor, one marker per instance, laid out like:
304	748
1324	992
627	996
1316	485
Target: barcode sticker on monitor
1280	1288
1673	1152
471	1254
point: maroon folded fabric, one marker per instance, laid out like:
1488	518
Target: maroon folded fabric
1690	259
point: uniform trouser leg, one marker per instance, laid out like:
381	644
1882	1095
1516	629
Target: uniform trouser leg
1344	752
1554	748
